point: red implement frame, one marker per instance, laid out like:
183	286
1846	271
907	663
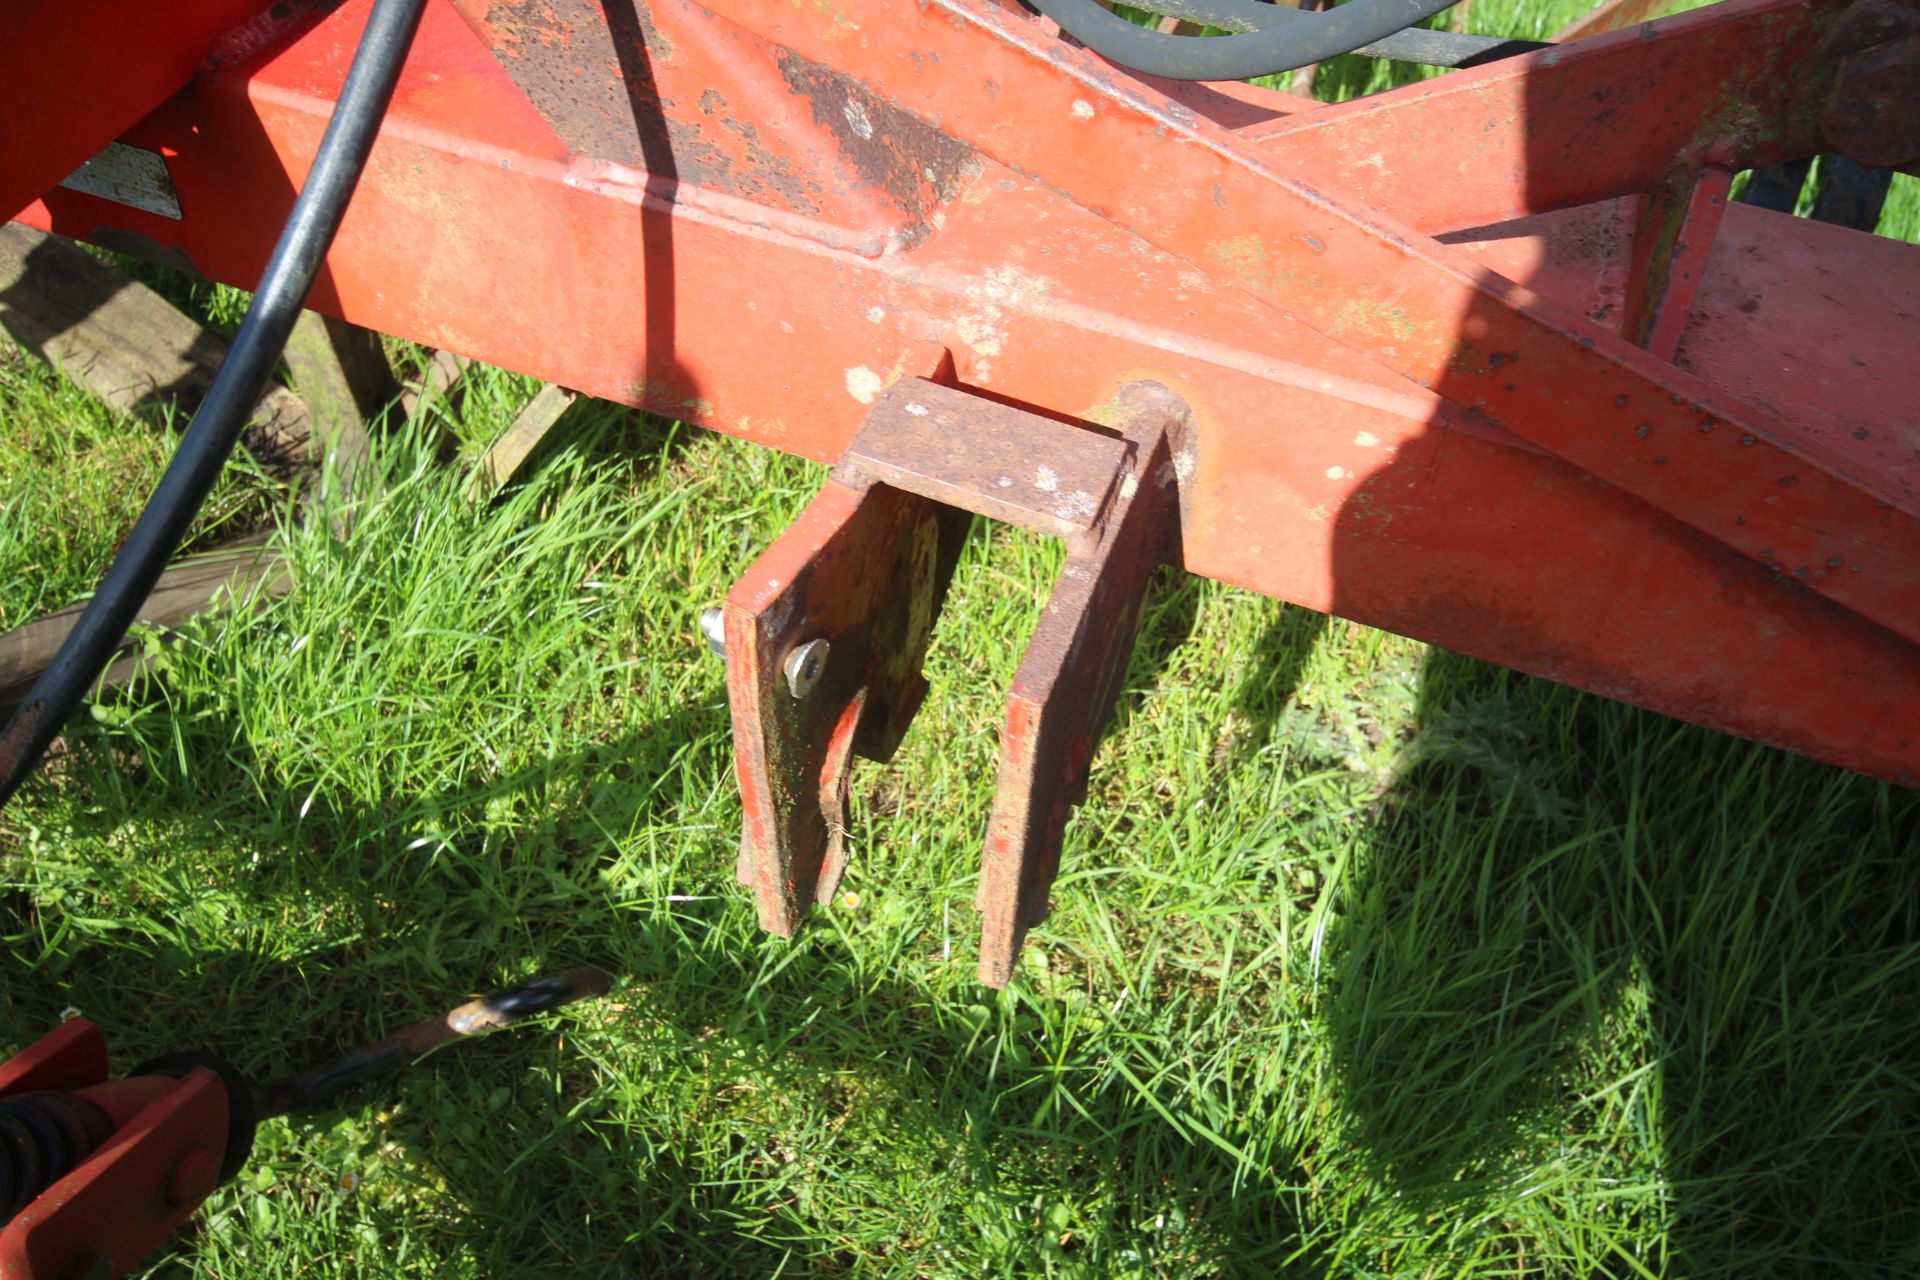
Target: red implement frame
76	75
1488	360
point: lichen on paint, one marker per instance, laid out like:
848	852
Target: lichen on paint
863	384
1078	505
1368	316
983	326
1244	257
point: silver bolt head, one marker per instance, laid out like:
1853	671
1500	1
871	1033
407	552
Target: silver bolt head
713	626
804	667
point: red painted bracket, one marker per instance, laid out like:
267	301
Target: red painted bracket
1067	683
826	633
153	1145
825	636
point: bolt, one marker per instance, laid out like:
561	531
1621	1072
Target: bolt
713	625
193	1176
804	667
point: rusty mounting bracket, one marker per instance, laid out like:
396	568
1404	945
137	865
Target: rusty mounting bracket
826	633
1867	73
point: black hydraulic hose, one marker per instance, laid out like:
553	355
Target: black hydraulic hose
1447	48
1415	44
1282	46
229	404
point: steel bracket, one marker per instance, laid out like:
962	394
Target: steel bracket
826	632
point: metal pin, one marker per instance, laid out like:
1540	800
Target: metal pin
713	626
804	667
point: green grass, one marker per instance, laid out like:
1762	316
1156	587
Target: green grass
1367	959
69	468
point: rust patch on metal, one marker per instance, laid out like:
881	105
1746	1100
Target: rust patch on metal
665	87
864	569
914	164
602	76
279	24
969	452
1871	116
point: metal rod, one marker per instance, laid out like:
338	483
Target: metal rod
476	1017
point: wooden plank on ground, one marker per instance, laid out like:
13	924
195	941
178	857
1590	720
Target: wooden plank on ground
438	382
136	351
242	569
124	342
342	376
510	452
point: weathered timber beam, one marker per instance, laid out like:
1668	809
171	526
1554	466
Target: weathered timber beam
239	570
124	342
506	455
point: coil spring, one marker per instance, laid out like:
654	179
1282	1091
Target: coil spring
43	1136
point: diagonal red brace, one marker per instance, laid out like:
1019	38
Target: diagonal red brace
1737	472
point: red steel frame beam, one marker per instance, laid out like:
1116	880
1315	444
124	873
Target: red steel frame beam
1609	116
77	74
1421	309
1322	470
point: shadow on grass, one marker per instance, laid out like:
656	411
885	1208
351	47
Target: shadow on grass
1586	947
778	1067
1547	902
